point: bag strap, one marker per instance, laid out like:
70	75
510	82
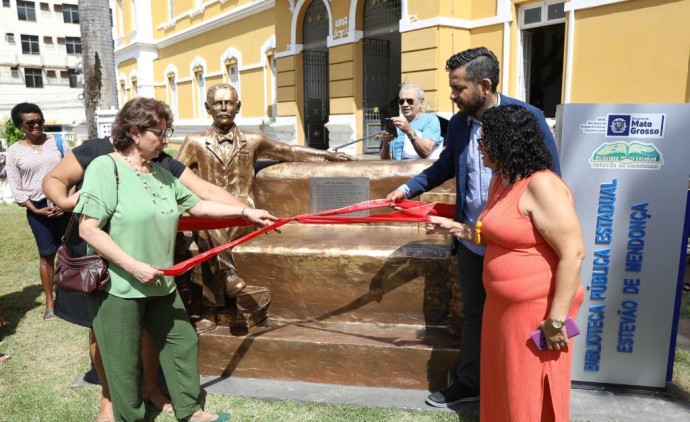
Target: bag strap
60	147
117	198
117	180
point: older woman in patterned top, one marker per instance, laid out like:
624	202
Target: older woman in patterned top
28	161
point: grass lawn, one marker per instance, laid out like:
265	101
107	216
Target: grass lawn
47	357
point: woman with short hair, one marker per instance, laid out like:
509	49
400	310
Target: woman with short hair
141	212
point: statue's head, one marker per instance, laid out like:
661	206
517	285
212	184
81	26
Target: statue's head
223	104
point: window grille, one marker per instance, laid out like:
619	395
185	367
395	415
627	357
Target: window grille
74	79
33	78
73	45
30	44
381	14
70	13
315	29
26	11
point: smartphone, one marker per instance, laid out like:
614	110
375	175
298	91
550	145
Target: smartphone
570	328
389	126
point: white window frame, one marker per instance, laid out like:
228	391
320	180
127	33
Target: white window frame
171	75
544	10
522	78
274	87
200	82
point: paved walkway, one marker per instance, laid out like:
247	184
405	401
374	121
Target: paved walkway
586	405
593	405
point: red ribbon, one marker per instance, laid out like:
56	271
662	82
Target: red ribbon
411	211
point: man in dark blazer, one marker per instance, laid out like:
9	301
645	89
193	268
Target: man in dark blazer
473	77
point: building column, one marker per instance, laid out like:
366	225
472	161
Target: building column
341	130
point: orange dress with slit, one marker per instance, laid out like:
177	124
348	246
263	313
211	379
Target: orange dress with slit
519	278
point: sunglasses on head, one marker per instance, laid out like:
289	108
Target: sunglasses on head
32	123
409	101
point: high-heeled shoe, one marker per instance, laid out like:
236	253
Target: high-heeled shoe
222	417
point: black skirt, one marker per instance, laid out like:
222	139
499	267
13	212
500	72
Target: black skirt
72	307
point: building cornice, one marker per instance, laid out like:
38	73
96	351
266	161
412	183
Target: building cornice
134	51
454	23
238	13
587	4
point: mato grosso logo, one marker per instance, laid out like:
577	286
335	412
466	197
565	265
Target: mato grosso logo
623	155
635	125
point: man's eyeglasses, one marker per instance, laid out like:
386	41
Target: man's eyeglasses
159	132
409	101
32	123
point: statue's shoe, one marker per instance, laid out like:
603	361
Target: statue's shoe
233	283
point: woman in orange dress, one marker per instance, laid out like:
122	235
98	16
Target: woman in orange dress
534	252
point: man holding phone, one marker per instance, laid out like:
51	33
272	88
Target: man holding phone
414	135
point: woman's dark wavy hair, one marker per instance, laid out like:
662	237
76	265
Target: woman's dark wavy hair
139	112
513	140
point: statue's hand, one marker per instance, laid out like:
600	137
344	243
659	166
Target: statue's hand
340	156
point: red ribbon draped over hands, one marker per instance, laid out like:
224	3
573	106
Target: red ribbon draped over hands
410	211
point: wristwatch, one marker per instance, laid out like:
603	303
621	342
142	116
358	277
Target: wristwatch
413	136
556	324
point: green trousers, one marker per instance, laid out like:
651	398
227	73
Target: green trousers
118	325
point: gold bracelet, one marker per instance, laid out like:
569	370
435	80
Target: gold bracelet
478	233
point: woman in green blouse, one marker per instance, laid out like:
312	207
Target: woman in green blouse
141	212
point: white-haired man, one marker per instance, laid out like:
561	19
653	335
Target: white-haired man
418	134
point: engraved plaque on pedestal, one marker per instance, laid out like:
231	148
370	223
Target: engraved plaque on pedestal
329	193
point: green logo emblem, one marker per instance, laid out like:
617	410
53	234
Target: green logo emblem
633	155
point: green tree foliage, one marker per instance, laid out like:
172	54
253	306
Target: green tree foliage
11	133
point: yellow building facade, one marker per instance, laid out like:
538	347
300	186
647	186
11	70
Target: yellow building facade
323	72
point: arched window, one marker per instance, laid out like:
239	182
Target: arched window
316	96
172	94
273	98
123	92
232	72
382	69
201	91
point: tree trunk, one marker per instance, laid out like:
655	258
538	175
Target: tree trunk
98	60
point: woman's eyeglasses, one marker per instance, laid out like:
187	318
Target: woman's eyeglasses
32	123
409	101
159	132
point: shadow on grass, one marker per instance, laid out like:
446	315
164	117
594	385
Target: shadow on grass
16	305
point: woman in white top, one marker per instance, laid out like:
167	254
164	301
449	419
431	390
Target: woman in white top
28	162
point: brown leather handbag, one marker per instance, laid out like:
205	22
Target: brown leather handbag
82	274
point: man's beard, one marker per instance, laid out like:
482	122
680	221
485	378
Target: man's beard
474	106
